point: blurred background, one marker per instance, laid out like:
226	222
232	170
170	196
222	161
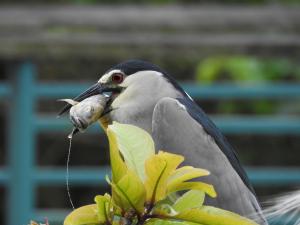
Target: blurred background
238	59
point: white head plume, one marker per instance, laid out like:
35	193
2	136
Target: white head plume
285	208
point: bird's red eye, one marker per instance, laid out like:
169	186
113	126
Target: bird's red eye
117	78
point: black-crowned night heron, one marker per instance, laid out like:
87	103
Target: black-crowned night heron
144	95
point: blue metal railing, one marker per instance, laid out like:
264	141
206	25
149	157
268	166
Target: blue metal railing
21	176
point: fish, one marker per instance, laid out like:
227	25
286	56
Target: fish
85	113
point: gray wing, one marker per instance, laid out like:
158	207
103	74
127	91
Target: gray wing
175	130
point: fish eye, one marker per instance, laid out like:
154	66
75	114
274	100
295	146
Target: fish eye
117	78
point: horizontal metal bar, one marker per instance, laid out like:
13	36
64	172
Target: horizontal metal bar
279	176
61	90
61	124
271	125
259	176
243	91
77	176
57	176
234	124
53	123
215	91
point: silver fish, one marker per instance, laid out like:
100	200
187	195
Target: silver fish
86	112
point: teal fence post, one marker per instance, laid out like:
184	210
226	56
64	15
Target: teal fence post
21	144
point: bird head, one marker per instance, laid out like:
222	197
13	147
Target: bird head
133	87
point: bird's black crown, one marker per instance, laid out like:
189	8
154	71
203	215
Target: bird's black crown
134	65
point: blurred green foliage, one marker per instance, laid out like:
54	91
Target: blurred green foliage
249	70
246	69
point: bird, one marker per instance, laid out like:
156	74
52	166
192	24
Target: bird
144	95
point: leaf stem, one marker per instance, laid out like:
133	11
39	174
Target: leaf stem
153	198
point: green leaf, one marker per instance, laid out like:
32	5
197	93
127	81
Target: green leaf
185	173
208	215
207	188
130	192
158	169
191	199
135	144
118	167
85	215
207	71
103	204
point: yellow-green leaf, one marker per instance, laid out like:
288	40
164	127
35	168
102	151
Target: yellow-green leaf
208	215
185	173
85	215
155	167
118	167
207	188
130	192
103	203
158	169
135	144
173	160
191	199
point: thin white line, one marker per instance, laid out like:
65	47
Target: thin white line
67	172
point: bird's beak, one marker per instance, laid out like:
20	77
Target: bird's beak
95	89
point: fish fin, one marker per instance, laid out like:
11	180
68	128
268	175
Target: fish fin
69	101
